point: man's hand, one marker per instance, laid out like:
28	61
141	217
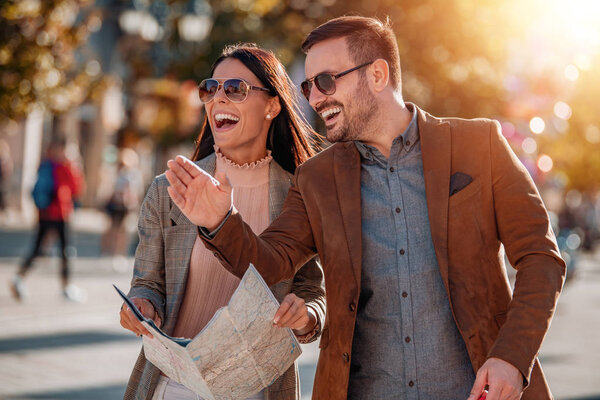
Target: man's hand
129	321
504	380
204	200
293	313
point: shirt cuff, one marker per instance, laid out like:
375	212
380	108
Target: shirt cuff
211	235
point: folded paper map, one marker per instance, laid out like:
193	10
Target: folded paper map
236	355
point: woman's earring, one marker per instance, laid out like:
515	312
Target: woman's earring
268	116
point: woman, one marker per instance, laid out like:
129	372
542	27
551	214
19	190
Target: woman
253	134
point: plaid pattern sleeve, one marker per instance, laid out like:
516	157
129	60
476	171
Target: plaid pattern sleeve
149	269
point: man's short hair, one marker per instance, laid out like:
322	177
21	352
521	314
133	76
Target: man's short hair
367	39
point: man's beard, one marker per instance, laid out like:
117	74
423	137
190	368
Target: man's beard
358	114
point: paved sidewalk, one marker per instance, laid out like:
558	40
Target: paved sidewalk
570	354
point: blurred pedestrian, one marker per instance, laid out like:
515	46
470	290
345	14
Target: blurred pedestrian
124	200
253	133
58	183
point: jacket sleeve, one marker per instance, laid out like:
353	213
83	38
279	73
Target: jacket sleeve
525	231
278	252
309	285
148	280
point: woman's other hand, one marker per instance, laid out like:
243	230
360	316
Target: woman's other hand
293	313
129	320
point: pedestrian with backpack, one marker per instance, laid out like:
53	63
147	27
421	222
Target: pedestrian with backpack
57	185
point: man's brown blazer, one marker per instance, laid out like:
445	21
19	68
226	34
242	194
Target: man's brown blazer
500	206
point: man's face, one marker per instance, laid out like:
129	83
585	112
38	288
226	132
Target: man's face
349	110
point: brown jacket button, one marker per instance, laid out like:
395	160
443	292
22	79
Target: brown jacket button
352	306
407	339
346	357
411	384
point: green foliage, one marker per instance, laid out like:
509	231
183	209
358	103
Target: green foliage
37	44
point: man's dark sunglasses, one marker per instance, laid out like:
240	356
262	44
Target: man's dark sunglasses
236	90
326	82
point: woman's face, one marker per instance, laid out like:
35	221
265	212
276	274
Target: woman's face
240	129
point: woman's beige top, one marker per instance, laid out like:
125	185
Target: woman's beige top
210	286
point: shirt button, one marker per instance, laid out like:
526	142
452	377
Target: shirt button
404	294
408	142
398	209
407	339
352	306
346	357
392	169
411	384
402	252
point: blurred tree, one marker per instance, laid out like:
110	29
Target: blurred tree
38	40
574	143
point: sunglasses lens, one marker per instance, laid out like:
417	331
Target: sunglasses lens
207	90
305	87
325	83
236	90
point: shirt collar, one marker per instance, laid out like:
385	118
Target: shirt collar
407	140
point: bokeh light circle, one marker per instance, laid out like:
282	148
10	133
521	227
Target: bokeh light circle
537	125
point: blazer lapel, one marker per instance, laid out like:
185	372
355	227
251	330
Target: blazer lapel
436	151
346	168
208	164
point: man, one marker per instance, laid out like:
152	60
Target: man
408	213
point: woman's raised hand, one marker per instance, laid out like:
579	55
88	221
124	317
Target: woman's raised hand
204	200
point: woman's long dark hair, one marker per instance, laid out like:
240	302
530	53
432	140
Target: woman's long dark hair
290	136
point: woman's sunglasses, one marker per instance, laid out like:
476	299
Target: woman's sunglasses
326	82
236	90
